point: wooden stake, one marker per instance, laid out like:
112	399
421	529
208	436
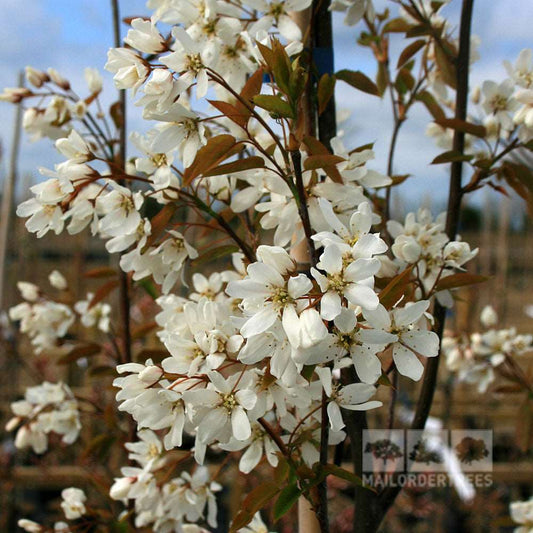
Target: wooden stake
7	195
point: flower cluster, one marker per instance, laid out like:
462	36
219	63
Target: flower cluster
422	242
42	319
46	408
475	358
166	505
522	513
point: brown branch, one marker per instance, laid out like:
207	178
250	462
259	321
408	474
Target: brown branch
124	291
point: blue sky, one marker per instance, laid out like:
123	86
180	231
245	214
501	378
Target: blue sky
70	35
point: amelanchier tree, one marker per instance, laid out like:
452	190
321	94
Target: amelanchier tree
286	294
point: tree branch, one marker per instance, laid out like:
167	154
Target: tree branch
124	293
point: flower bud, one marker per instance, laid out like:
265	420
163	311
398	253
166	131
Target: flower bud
150	375
28	291
488	316
29	525
14	95
121	488
36	77
476	95
57	280
58	79
94	80
13	423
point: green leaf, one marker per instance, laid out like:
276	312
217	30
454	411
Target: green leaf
240	165
446	67
450	156
459	280
462	125
410	51
360	81
326	88
277	107
287	498
398	25
307	371
404	81
148	285
431	104
382	78
339	472
281	67
384	380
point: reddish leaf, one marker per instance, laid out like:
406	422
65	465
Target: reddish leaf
251	88
141	331
459	280
314	162
216	150
237	166
316	148
78	352
258	498
115	112
238	114
160	222
101	272
105	290
395	289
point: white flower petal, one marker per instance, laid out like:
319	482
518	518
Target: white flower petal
407	362
424	342
240	424
259	322
330	305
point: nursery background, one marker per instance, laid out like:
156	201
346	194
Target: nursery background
70	36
